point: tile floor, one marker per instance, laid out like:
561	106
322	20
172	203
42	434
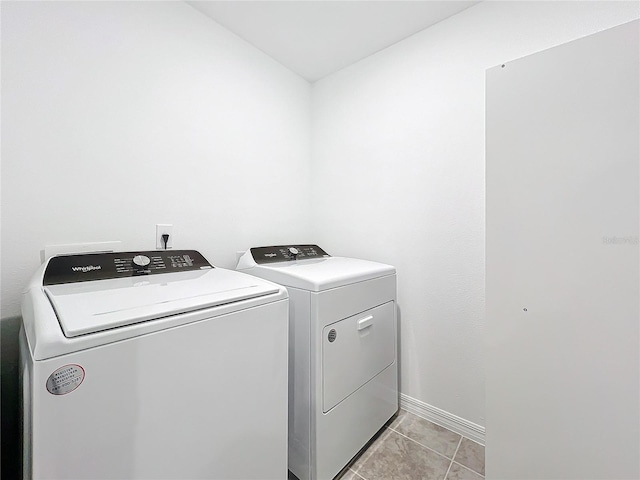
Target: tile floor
412	448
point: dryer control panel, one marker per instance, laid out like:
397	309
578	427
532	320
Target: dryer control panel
102	266
285	253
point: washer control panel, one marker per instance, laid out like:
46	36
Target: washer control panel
286	253
102	266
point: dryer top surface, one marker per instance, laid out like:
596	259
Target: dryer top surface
320	274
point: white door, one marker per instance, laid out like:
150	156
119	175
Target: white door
562	281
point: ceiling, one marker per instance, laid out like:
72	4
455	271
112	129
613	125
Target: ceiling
317	38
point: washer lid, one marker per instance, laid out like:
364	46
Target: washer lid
93	306
322	274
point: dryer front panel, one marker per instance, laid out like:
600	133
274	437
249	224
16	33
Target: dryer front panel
356	349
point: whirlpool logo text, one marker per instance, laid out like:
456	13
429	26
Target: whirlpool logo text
86	269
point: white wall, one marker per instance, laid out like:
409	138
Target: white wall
398	176
120	115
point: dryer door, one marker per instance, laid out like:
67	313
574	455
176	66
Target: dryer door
356	349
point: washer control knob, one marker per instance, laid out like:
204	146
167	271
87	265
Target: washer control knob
141	260
294	252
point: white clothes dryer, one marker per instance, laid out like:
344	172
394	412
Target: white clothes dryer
153	365
343	380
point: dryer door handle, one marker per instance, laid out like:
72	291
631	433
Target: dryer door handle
365	322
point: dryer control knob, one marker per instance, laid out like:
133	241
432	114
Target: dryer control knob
294	252
141	260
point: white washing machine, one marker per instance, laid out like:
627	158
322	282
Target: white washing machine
153	365
343	380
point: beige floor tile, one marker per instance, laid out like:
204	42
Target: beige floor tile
395	457
471	455
349	475
458	472
364	456
427	433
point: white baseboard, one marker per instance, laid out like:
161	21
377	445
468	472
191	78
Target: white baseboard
445	419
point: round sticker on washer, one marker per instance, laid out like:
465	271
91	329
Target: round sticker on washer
65	379
332	335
